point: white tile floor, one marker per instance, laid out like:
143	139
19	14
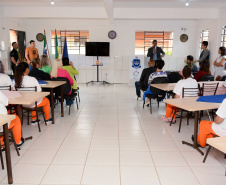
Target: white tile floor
112	140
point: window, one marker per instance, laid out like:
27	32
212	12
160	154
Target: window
223	39
75	41
204	37
143	41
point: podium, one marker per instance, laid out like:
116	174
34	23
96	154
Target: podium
104	82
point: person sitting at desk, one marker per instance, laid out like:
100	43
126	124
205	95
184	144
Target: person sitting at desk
204	70
35	72
15	124
71	70
44	64
22	80
143	83
158	73
4	78
208	129
191	64
187	82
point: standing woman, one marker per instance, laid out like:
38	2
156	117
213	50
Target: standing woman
220	64
21	79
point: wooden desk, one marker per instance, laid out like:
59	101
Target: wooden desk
51	85
27	98
165	87
218	143
170	86
4	119
190	104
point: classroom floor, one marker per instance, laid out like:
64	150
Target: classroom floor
112	140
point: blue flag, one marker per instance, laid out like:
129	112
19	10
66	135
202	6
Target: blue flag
65	51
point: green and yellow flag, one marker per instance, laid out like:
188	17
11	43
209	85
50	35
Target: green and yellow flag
56	47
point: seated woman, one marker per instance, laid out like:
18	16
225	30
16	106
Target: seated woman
204	70
44	64
191	64
15	124
187	82
208	129
4	79
21	79
57	71
35	72
220	64
71	70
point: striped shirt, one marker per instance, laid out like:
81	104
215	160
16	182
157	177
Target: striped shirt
155	75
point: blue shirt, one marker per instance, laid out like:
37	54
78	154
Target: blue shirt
154	55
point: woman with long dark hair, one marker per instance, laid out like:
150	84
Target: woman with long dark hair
204	70
22	80
219	64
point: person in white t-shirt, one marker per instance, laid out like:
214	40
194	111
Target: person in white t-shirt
21	79
208	129
187	82
15	124
4	79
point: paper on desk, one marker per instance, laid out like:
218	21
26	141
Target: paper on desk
11	94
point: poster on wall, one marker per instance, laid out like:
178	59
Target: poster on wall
136	66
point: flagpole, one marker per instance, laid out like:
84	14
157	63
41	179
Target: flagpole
64	44
47	49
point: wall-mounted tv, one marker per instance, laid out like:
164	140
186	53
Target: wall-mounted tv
97	49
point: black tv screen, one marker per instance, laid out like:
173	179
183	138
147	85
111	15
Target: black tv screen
97	48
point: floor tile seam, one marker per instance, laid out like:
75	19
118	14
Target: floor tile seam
89	149
147	144
61	144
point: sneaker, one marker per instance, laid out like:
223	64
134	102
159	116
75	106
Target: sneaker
147	104
49	120
139	98
164	118
34	122
21	143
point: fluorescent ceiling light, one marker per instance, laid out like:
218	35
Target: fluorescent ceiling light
52	2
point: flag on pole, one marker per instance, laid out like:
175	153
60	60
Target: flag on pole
45	46
65	51
56	47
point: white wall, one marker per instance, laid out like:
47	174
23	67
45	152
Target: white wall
124	45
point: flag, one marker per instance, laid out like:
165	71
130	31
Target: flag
65	51
56	47
45	46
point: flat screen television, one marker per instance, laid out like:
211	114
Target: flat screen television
97	49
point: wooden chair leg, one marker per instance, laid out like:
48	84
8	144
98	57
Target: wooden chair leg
28	114
174	112
14	142
43	114
38	121
2	162
181	116
188	116
204	160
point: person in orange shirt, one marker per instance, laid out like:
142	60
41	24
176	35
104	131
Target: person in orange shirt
31	52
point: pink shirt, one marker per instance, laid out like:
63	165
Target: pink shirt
64	74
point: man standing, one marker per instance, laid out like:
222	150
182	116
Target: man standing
205	54
155	52
14	56
31	52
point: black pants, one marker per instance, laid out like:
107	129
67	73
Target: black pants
13	66
137	89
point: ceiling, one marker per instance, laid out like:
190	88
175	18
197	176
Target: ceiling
115	3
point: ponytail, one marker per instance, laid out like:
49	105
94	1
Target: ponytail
19	73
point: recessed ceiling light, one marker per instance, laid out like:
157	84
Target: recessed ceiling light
52	2
187	4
